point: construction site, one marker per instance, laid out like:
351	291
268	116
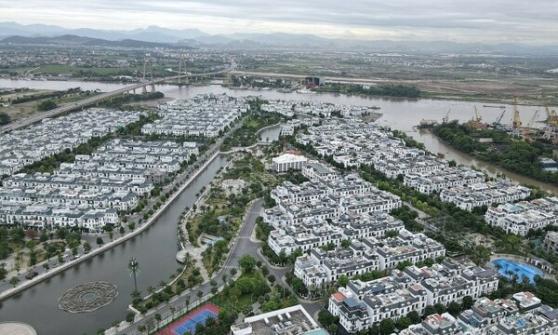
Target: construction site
530	129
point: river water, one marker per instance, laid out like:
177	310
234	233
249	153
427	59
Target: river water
155	249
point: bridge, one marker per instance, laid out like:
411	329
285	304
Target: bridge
103	96
17	124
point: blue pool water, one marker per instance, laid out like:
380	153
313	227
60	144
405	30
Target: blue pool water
507	268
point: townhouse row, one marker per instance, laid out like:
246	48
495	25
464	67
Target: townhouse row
204	115
521	217
26	146
523	314
353	143
326	209
360	304
290	108
89	192
320	267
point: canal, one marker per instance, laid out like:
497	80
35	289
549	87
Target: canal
156	248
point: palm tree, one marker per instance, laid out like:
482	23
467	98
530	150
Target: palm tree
149	325
158	318
133	266
187	302
200	295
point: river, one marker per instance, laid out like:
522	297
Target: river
155	249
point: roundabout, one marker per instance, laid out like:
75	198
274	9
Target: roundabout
87	297
16	328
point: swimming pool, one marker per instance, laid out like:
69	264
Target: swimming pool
508	268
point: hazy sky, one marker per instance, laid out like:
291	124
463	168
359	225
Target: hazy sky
533	21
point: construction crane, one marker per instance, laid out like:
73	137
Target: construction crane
516	119
499	119
498	123
476	121
530	124
477	117
528	132
551	117
445	119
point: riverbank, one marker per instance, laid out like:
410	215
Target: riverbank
25	285
499	148
191	298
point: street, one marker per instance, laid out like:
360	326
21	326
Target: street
241	245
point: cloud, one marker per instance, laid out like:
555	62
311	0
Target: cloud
457	20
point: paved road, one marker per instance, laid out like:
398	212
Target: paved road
241	246
178	180
97	98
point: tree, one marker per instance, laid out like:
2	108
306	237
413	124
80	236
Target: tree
387	326
429	310
158	318
86	247
480	255
326	319
172	310
200	295
343	280
245	285
3	271
403	323
454	308
130	317
247	263
133	266
100	240
467	302
414	316
4	118
14	281
46	105
440	309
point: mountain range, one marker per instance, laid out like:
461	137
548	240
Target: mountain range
74	40
154	36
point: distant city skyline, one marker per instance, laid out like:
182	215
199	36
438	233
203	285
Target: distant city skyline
495	21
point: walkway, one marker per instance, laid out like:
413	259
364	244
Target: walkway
240	246
183	180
